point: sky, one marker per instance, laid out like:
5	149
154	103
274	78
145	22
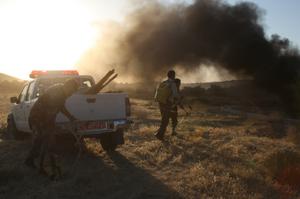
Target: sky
53	34
281	17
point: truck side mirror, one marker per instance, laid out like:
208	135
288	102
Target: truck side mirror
13	100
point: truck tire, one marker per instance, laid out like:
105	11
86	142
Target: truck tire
108	142
12	130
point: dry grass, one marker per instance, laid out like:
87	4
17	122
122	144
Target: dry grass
217	154
4	109
293	134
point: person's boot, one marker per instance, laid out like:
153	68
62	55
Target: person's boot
30	162
159	136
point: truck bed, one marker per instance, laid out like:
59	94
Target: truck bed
103	106
95	114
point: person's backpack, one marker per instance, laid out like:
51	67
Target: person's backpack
163	92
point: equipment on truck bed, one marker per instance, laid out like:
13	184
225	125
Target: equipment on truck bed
102	83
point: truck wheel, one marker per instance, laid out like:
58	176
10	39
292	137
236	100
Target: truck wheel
108	142
12	130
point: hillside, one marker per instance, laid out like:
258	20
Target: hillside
9	84
5	77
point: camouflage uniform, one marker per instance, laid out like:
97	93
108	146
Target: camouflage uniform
165	110
43	114
174	112
174	117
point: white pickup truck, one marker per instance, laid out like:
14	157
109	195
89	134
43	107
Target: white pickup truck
103	116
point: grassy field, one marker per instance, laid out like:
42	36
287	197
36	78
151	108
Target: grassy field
220	152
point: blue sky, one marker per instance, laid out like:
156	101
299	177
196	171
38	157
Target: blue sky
282	17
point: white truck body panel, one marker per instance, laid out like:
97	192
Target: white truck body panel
103	106
19	115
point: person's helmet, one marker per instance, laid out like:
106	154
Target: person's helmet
171	74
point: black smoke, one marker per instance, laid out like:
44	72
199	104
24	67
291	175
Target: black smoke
156	37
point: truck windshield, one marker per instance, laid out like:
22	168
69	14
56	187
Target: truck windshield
44	84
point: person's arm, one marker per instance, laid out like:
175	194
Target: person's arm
67	113
179	101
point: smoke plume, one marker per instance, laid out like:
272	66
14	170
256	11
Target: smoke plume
156	37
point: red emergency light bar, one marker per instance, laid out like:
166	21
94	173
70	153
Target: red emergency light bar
38	73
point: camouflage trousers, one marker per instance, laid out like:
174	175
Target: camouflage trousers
44	132
167	112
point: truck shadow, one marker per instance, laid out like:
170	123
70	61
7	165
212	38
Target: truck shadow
140	183
112	175
96	175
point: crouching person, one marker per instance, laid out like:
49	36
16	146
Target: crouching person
165	95
42	118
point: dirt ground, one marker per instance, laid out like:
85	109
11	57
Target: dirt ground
220	152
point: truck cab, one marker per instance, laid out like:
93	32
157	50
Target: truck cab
103	115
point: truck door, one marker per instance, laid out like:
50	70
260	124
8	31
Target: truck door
18	112
30	99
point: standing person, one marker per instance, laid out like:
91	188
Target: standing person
165	95
43	114
174	110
